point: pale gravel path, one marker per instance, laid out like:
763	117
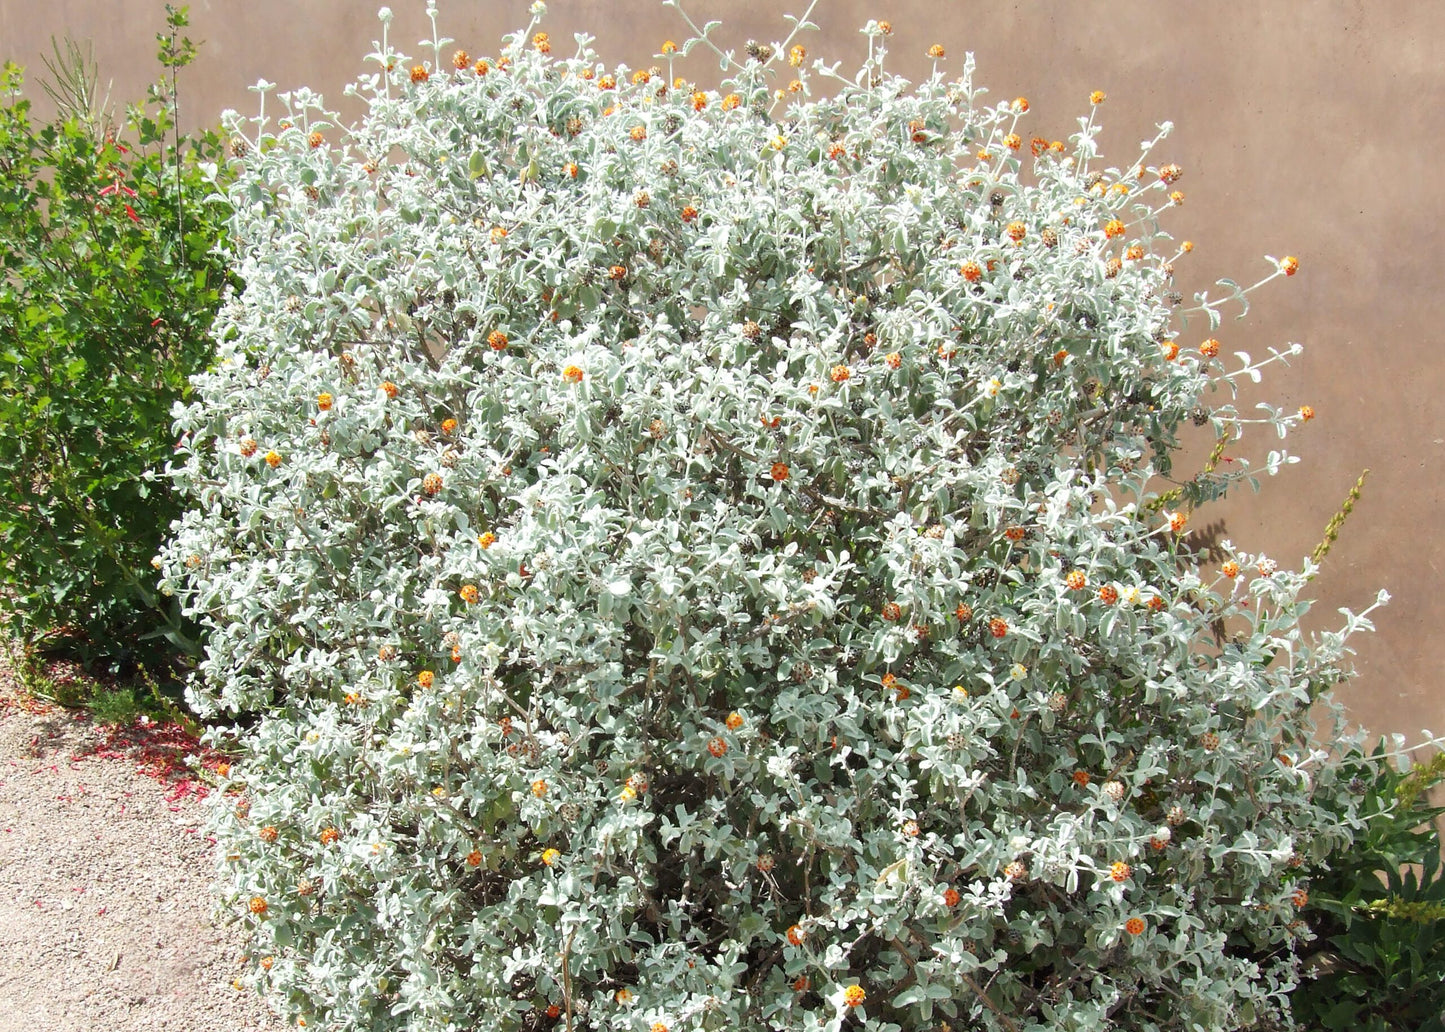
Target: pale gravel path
105	894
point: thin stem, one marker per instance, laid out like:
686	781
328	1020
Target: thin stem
698	34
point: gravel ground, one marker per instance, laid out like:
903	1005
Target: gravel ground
104	885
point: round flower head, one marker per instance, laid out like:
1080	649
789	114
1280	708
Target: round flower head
854	995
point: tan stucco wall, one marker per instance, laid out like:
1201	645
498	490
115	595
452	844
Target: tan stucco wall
1303	129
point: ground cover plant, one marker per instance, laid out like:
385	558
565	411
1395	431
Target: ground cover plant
702	558
109	280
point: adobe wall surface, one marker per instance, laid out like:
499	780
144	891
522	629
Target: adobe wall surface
1302	130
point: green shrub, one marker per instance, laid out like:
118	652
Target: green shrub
109	280
696	557
1377	910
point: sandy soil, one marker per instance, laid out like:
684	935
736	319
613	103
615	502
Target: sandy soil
105	910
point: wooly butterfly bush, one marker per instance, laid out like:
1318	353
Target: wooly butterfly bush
697	560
